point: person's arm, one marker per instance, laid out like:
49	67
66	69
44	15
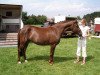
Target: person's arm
88	33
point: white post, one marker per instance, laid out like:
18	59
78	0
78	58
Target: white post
22	24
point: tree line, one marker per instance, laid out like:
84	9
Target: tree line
91	16
40	19
32	19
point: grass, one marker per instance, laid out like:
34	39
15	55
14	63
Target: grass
64	57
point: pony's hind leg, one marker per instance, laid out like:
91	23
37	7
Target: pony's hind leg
19	54
24	54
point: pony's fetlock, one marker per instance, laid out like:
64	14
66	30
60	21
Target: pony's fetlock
26	61
19	62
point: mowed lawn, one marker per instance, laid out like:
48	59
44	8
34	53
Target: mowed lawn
64	57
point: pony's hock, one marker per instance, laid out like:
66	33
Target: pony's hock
44	36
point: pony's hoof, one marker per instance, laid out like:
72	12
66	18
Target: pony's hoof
49	61
51	64
26	61
19	62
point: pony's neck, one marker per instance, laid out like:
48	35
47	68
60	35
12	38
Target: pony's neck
62	26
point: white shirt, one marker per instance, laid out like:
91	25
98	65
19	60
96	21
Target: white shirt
84	30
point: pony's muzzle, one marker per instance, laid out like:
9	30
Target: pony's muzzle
80	35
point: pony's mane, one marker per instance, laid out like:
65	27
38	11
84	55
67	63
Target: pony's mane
61	22
65	21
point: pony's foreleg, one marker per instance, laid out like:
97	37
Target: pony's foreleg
52	53
20	52
24	55
19	62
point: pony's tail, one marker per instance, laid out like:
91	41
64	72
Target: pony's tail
19	48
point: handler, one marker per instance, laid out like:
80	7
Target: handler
82	42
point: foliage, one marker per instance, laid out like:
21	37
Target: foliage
24	17
41	19
91	16
78	17
64	57
32	19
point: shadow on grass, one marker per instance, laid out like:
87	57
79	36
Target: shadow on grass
89	58
56	58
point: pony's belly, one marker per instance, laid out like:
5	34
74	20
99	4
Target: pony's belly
46	42
42	43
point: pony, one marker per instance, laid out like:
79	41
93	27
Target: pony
50	35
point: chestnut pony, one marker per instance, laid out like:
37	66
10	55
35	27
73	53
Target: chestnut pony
44	36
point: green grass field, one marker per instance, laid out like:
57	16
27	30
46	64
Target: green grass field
64	57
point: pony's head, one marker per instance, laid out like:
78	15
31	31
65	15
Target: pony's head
75	28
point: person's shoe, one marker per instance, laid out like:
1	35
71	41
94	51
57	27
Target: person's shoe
82	63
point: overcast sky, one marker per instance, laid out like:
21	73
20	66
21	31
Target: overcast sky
52	8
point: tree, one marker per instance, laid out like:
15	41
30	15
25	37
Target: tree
78	17
41	19
91	16
24	17
32	19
